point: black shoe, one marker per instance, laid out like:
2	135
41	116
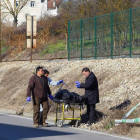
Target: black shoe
89	124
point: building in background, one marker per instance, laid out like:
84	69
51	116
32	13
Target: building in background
39	8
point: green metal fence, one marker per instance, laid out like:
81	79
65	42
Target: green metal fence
114	35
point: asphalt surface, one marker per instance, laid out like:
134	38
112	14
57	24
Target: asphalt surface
14	127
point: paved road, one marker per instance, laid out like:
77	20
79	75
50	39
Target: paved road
14	127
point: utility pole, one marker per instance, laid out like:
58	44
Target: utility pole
0	34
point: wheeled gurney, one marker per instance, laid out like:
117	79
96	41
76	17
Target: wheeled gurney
63	106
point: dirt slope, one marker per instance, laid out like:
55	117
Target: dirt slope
119	80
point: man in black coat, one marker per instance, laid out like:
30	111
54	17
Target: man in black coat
91	93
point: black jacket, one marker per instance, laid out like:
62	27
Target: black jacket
91	89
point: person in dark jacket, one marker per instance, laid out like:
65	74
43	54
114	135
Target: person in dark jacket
50	82
38	86
91	94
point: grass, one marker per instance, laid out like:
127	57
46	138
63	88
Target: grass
4	49
109	125
52	48
133	48
3	44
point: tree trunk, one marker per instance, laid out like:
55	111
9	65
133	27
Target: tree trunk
15	15
15	22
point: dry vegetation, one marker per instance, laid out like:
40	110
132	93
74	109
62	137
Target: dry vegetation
53	29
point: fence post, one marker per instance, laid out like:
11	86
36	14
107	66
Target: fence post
95	27
130	23
81	37
112	35
68	40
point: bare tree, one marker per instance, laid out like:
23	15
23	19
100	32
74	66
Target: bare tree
15	9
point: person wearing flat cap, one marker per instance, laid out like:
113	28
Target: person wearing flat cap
91	94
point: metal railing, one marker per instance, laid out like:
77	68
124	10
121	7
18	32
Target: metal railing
113	35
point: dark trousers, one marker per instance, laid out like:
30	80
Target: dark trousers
36	110
41	115
91	112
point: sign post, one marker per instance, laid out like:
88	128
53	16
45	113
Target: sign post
31	34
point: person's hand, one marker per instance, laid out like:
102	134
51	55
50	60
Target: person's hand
28	99
61	81
51	97
78	85
77	82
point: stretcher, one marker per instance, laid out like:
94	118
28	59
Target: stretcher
63	107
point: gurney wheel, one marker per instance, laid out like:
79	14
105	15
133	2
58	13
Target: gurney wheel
77	123
55	122
60	123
